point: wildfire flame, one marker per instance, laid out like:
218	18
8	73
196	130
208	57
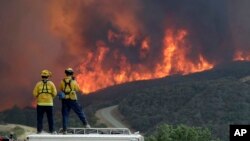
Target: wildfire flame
242	56
117	41
175	56
107	61
93	76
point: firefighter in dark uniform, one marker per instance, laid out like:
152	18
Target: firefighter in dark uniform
44	92
69	89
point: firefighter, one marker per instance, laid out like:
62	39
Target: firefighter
69	89
44	92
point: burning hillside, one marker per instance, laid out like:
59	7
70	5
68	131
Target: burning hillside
116	41
173	59
123	41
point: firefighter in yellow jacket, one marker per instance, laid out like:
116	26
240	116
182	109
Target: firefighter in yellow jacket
69	89
44	92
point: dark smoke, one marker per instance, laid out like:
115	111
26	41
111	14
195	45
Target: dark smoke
240	24
207	23
216	28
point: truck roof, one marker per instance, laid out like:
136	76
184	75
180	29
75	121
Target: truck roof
91	134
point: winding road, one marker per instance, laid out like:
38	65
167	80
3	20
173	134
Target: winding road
107	117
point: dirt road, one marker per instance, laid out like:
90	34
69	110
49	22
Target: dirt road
107	116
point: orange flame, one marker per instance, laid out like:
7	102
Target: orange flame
145	47
175	56
242	56
94	76
94	72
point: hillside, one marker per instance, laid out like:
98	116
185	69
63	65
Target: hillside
118	92
213	98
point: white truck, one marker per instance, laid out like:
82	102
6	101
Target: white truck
89	134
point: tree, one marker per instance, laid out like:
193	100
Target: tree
180	133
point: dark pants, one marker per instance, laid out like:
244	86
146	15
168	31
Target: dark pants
49	112
67	105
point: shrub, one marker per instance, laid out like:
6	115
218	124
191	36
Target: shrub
180	133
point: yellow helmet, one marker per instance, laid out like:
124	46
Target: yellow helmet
69	71
46	73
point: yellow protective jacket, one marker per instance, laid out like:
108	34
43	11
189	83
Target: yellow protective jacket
69	87
45	91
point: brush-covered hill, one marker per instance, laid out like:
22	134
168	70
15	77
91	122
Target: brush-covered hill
115	93
213	99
